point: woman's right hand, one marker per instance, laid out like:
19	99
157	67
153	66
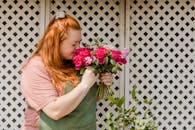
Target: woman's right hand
89	78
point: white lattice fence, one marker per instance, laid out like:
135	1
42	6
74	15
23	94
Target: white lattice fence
19	29
161	35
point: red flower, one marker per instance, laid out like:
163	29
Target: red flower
82	57
83	52
117	56
100	54
78	61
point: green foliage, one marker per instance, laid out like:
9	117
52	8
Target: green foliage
130	119
98	42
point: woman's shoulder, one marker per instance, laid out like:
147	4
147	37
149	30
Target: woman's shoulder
36	61
35	65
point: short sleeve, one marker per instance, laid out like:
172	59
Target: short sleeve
36	86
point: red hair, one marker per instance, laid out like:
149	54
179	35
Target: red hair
49	50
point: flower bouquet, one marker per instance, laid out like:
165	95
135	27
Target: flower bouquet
103	58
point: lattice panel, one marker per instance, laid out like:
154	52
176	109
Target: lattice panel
162	59
98	19
161	35
19	30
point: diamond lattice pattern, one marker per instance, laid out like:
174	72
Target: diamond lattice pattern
161	63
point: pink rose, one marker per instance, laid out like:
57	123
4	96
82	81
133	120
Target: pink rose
117	56
78	61
122	61
125	52
83	52
82	57
100	54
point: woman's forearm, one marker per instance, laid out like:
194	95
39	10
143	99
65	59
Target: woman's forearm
67	103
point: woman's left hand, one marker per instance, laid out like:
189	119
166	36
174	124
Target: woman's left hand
106	78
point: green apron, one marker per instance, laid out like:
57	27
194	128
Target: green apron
82	118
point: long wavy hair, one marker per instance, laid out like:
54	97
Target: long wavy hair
48	48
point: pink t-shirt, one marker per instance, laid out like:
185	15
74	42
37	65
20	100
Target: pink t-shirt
38	91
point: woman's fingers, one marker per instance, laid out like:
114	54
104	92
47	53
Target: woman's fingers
89	78
106	78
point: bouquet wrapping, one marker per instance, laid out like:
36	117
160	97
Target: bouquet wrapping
103	58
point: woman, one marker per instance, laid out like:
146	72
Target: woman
56	97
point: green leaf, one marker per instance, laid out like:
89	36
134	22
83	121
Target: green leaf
134	92
108	115
146	101
118	67
121	101
82	71
113	62
114	69
106	60
111	99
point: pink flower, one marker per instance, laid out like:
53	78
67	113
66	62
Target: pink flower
117	56
82	57
100	54
125	52
88	60
122	61
78	61
83	52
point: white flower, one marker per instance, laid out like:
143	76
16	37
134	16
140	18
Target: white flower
88	60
